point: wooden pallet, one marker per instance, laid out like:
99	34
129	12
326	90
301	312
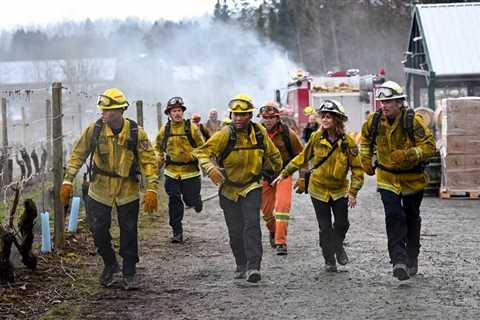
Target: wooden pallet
460	195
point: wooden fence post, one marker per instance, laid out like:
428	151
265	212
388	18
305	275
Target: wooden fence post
5	163
48	116
159	115
140	112
57	138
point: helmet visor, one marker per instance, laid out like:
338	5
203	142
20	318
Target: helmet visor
384	93
107	101
239	105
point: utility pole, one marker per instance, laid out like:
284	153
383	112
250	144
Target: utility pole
57	136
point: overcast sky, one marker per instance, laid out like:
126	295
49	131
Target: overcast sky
16	13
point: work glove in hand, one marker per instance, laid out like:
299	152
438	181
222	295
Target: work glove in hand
66	192
299	185
215	175
150	202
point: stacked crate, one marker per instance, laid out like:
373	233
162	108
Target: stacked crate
458	139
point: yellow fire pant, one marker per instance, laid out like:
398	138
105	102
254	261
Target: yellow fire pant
276	204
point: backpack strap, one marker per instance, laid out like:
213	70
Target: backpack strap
166	135
335	145
187	127
372	133
93	146
407	123
232	140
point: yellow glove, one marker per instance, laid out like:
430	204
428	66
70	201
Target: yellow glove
66	193
215	175
299	185
150	202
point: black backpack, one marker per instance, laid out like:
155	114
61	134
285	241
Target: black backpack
407	126
132	142
187	127
232	141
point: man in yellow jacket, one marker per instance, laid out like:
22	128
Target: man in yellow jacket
174	145
115	163
241	149
400	141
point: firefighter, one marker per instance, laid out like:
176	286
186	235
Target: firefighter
174	145
213	124
196	118
333	154
310	128
400	141
119	150
240	149
277	199
286	115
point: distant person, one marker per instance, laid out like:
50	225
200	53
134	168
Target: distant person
400	142
310	128
196	118
119	151
213	124
287	117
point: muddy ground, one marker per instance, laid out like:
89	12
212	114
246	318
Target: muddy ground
194	280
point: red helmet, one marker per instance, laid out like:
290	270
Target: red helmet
270	109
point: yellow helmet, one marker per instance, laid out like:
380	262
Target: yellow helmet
241	103
112	98
308	111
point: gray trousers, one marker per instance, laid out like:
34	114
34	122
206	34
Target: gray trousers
243	223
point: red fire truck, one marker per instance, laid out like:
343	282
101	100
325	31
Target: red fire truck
354	92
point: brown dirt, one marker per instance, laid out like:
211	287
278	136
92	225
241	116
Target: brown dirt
194	280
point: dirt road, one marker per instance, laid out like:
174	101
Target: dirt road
194	280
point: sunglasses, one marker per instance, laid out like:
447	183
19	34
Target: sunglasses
239	104
107	101
175	101
384	93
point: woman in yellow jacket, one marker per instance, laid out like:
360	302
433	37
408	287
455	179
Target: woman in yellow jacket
332	154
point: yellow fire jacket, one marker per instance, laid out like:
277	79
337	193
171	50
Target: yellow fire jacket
329	180
392	137
112	155
242	165
179	151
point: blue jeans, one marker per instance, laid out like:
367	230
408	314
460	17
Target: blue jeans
180	191
403	224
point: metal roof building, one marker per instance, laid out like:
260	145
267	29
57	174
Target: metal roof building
443	56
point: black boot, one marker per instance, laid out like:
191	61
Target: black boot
107	276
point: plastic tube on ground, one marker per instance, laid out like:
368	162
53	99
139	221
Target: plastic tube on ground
46	244
72	223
